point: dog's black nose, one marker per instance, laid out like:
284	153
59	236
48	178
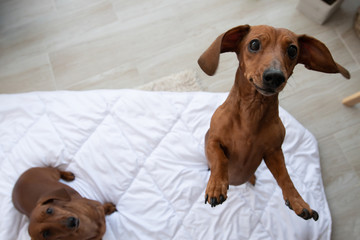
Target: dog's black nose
72	222
273	78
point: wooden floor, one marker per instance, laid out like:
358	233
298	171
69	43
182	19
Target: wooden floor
93	44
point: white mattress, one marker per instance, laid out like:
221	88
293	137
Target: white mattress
144	151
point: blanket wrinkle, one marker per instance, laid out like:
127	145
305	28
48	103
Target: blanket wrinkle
185	123
25	132
260	217
149	155
168	201
108	112
53	126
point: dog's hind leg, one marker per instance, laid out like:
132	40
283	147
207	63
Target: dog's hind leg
252	179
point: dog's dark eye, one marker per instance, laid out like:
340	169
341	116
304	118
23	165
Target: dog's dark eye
46	234
254	45
49	211
292	51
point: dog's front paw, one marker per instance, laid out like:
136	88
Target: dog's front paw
216	191
302	209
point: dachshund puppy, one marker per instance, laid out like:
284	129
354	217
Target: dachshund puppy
57	211
247	128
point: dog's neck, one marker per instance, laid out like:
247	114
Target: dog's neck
251	104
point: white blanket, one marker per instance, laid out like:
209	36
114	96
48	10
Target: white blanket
144	151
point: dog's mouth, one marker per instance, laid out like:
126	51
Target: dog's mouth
263	91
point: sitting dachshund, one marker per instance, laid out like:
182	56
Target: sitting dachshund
57	211
247	128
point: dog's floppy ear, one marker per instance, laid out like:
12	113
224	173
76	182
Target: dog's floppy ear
59	194
316	56
226	42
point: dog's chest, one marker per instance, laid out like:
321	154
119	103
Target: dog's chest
242	146
246	146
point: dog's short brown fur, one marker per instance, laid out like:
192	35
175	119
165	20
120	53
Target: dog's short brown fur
246	128
57	211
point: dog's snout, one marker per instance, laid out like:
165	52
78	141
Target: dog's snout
72	222
273	78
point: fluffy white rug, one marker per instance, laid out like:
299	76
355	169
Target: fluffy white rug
185	81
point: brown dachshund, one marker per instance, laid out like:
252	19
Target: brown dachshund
246	128
57	211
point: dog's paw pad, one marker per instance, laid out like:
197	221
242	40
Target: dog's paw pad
305	214
216	190
315	215
222	199
213	202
